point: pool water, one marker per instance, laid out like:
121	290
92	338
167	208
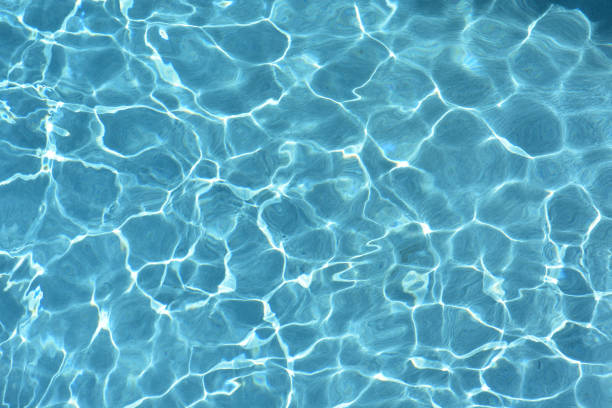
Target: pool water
293	203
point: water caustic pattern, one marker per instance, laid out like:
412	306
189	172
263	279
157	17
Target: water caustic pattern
304	204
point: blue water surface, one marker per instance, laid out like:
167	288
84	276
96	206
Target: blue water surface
305	204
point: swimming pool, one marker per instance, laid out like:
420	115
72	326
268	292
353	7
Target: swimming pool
300	203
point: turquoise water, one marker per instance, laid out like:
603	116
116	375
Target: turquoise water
300	203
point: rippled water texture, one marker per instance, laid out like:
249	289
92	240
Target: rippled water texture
305	204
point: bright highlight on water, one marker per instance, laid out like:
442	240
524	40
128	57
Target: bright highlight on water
305	204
